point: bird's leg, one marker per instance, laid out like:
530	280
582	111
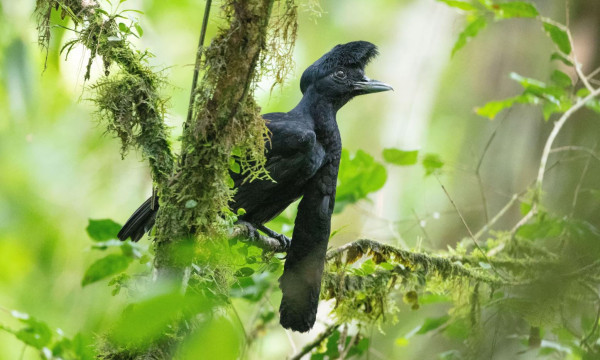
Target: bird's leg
283	240
253	233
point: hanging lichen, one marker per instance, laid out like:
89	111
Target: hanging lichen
129	102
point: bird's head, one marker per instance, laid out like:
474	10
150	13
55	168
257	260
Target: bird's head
339	74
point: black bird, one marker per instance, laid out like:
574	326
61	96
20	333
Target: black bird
303	156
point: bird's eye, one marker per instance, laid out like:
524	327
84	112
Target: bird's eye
340	74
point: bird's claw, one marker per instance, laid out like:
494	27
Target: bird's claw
284	241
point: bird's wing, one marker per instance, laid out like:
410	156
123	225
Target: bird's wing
293	157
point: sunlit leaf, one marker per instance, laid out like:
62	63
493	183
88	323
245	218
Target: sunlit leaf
515	9
103	230
551	108
400	157
459	5
554	94
124	28
558	36
139	29
492	108
35	333
109	265
472	29
432	163
359	176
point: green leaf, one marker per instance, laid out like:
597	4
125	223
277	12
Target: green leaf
492	108
139	29
561	79
539	89
432	163
459	5
469	32
109	265
359	176
515	9
554	108
583	92
368	267
35	333
103	230
559	37
432	324
400	157
234	166
562	58
543	228
487	3
244	272
124	28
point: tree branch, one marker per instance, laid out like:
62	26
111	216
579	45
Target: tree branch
316	342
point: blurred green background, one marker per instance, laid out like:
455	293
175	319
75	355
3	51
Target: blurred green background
58	169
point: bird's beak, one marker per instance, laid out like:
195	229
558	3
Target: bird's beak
368	86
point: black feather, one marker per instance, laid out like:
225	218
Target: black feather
141	221
353	54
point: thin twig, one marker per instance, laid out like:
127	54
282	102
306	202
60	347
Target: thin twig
546	153
557	127
478	173
576	148
316	342
579	183
463	220
594	73
352	342
198	60
497	217
577	65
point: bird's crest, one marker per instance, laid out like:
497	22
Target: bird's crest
352	54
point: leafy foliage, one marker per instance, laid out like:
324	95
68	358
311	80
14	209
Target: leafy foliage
50	344
359	175
103	230
400	157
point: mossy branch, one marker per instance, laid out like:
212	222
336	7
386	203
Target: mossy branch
443	266
129	102
225	117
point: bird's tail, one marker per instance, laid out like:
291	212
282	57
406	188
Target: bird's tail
141	221
301	285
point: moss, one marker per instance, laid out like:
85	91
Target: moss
225	119
129	102
371	297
